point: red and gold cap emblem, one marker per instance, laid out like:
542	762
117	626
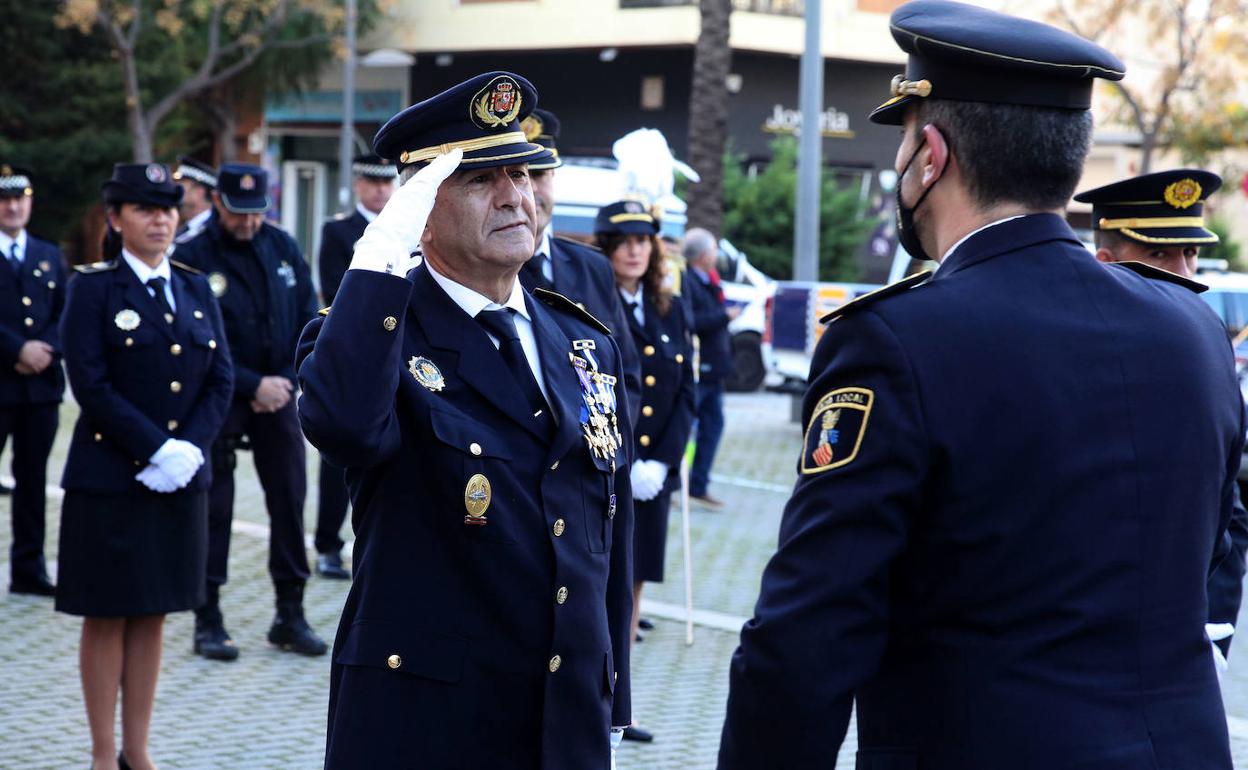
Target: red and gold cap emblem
496	105
1183	194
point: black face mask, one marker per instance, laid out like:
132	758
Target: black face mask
907	235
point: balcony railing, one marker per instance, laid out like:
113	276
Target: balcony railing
775	7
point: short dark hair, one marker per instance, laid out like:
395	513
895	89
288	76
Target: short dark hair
1013	153
1108	239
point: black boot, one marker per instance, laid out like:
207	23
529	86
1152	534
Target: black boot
211	639
290	631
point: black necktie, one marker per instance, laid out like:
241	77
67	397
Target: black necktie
157	284
501	324
14	260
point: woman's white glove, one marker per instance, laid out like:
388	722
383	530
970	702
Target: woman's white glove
395	233
178	460
1216	633
152	478
648	477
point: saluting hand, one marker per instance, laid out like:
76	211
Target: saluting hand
395	233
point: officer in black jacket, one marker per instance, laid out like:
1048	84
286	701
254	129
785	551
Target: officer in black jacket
374	184
32	294
265	290
579	272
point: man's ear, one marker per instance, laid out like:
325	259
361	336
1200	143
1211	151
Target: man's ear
938	155
1105	255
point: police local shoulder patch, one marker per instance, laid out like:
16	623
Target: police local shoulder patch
836	429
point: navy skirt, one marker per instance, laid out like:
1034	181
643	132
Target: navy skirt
650	537
136	553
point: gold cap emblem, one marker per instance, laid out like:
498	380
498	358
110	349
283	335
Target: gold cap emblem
497	104
1183	194
247	182
532	127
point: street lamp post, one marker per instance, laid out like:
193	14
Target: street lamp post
809	156
347	140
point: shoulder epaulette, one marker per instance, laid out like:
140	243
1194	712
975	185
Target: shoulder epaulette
323	311
575	242
186	267
857	303
97	267
559	302
1149	271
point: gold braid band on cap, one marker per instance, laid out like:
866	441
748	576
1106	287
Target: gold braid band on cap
467	145
615	220
1149	222
902	87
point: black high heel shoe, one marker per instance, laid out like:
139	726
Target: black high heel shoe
121	762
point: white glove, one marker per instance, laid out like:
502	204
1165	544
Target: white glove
617	737
395	233
154	479
1216	633
179	460
647	482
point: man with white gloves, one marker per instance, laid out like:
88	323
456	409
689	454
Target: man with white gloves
486	449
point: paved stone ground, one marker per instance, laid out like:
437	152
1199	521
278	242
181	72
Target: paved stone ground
267	710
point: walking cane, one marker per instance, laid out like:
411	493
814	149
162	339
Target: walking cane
684	531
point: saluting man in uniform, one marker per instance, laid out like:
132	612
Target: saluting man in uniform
265	290
32	296
198	181
1158	219
486	450
1015	472
577	271
374	184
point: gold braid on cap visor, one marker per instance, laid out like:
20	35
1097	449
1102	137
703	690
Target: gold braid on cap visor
471	145
1149	222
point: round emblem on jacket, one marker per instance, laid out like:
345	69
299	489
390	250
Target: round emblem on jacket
426	373
218	284
477	497
126	320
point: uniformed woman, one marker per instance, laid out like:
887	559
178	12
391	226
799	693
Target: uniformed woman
145	352
628	234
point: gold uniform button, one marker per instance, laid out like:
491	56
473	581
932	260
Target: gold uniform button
37	272
198	314
647	411
173	424
559	523
555	663
644	441
30	322
99	437
390	323
680	358
51	284
129	342
394	661
475	448
650	380
175	349
175	386
27	301
212	344
561	595
648	350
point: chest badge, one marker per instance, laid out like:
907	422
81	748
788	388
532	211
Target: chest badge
599	425
287	274
127	320
477	500
218	283
427	373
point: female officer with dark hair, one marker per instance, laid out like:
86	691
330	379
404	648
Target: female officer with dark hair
145	352
628	235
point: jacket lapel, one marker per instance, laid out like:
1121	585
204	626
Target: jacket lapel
477	362
182	302
137	297
561	382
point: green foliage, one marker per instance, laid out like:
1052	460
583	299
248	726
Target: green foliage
1198	137
1227	248
759	216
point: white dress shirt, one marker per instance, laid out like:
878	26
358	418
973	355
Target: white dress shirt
369	216
639	311
473	303
145	273
6	245
543	250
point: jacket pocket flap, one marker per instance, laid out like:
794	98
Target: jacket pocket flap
467	436
391	646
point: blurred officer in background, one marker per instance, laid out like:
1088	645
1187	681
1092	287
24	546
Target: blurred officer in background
32	295
198	180
374	184
265	291
146	354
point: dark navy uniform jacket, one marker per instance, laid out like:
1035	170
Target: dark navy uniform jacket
338	237
461	645
265	305
583	274
31	301
138	379
1013	483
667	395
710	323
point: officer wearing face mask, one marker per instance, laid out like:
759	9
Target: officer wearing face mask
1015	473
